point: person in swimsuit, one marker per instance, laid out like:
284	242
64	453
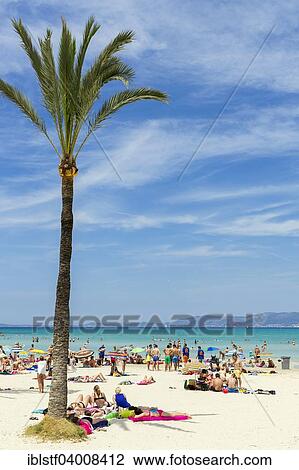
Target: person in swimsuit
156	357
167	358
175	356
81	404
99	397
217	383
232	383
238	368
155	412
148	358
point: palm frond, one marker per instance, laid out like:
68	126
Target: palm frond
114	69
91	28
49	84
67	54
117	44
117	101
25	105
92	80
28	46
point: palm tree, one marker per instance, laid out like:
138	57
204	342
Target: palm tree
69	94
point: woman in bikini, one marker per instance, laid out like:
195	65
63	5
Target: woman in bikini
99	397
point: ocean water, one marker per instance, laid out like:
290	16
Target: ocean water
279	339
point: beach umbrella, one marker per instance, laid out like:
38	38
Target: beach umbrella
137	350
23	353
116	354
211	348
38	351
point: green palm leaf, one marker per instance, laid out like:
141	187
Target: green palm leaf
49	84
27	45
116	102
91	29
24	104
123	98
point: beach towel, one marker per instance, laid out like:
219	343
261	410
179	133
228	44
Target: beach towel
83	379
159	418
86	426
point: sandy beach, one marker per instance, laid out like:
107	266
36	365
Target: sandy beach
219	421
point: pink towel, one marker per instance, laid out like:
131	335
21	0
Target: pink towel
159	418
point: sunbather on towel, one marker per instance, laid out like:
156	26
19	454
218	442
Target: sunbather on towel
89	378
146	381
82	404
155	412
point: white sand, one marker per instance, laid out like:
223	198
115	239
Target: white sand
220	421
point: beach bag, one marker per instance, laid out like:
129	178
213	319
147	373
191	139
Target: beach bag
190	384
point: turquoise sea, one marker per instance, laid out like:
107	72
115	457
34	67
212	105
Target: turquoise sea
279	339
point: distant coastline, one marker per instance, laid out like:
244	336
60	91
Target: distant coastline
260	320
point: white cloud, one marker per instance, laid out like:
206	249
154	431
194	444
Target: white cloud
234	193
208	43
204	251
266	224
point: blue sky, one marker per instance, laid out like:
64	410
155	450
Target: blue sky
225	237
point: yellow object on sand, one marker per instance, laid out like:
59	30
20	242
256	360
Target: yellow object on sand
38	351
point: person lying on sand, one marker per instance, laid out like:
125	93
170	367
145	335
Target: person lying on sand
83	404
87	422
146	380
156	412
89	378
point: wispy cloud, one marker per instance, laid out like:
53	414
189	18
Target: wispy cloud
279	223
234	193
220	49
204	251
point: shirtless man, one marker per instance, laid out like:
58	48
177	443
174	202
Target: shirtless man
232	382
156	357
217	383
175	356
167	357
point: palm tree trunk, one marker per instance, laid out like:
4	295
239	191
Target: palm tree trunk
58	393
